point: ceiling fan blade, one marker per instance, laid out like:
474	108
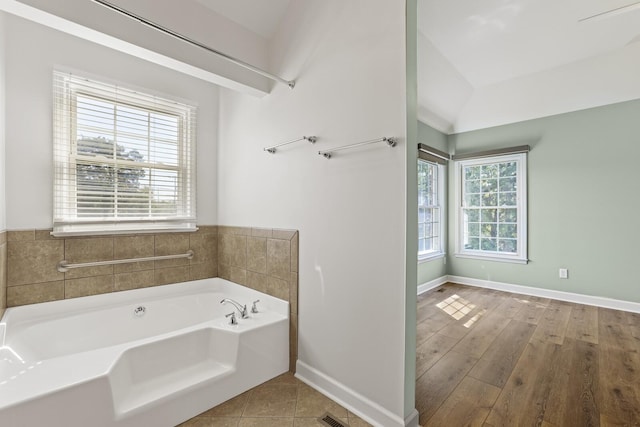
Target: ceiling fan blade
613	12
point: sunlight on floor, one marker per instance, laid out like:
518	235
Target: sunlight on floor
456	306
475	318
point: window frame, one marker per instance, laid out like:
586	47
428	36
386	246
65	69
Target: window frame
440	194
66	219
520	256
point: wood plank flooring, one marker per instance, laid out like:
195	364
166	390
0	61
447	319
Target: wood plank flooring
490	359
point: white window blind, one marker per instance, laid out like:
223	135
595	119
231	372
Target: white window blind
124	160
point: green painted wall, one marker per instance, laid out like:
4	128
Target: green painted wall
583	201
432	269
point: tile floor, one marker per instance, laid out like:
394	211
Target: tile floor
283	401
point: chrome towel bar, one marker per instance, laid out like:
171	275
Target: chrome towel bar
63	266
391	142
272	149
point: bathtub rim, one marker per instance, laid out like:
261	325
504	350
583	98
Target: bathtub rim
44	311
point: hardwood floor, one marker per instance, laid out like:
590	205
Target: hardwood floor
489	358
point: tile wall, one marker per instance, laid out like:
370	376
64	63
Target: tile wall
3	271
266	260
263	259
33	255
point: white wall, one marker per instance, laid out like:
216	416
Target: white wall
349	57
3	214
92	21
32	51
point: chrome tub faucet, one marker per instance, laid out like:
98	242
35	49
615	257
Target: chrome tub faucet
241	309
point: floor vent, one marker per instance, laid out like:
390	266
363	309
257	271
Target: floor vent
331	421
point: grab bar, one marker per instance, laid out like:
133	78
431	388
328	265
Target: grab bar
63	266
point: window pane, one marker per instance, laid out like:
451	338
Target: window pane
95	184
472	200
133	148
488	244
422	214
489	230
428	230
508	199
472	215
489	185
508	230
490	199
96	146
509	246
473	229
508	169
489	215
473	244
489	171
472	186
508	184
472	172
428	244
94	114
508	215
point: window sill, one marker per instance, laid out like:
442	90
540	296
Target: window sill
430	257
78	230
493	258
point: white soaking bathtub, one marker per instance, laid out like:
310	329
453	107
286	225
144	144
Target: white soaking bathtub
147	357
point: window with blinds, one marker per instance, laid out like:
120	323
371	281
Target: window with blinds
124	160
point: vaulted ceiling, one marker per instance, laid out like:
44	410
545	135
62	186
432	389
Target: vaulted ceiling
261	17
498	61
480	63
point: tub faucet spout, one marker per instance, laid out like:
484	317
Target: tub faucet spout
241	309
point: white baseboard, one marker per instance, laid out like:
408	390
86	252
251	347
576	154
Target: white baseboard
412	420
549	293
369	411
432	284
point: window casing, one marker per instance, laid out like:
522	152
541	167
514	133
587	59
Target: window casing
124	160
492	208
430	210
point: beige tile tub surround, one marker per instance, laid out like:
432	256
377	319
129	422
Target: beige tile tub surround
264	259
3	271
32	257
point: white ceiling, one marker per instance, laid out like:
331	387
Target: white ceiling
492	62
260	16
490	45
495	40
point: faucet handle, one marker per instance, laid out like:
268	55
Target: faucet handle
244	313
233	318
254	309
